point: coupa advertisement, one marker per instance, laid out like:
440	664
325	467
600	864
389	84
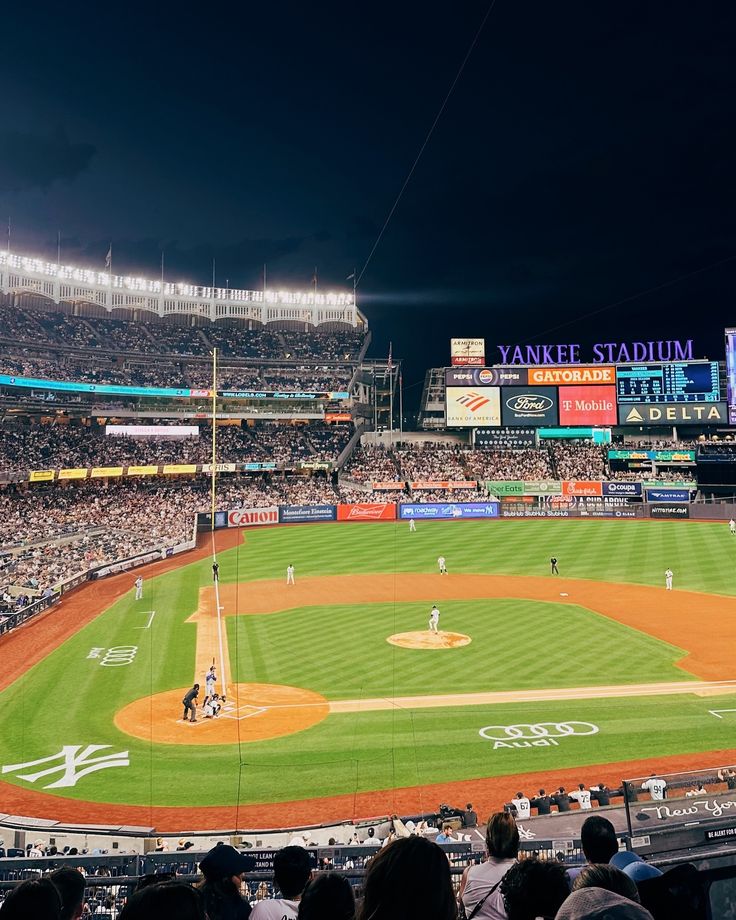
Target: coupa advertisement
445	511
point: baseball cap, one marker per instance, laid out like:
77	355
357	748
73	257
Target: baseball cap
634	866
224	861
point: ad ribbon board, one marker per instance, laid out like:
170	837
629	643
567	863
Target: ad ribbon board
304	514
448	511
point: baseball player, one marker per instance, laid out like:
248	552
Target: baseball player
210	680
434	619
668	579
732	526
442	565
139	588
215	571
553	566
290	574
413	526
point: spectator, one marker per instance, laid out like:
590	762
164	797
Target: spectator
599	842
599	904
481	883
224	869
36	898
470	817
534	888
445	835
70	885
167	899
633	866
292	870
608	877
327	897
409	879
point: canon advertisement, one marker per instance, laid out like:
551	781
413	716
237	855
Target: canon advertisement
252	517
529	406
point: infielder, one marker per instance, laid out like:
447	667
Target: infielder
731	526
553	566
290	575
668	579
434	619
139	588
442	565
413	526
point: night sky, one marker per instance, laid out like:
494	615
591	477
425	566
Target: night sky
586	156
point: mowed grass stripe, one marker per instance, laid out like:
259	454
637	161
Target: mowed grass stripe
342	652
701	555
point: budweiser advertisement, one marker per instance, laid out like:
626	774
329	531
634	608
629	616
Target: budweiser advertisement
253	517
387	485
590	405
367	511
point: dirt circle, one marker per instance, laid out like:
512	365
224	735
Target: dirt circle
428	639
252	712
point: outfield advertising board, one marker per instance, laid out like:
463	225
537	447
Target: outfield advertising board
485	376
660	456
505	486
668	495
367	511
469	407
468	351
543	487
445	511
443	484
253	517
669	511
387	485
528	406
685	413
306	514
631	489
581	487
571	376
504	438
589	405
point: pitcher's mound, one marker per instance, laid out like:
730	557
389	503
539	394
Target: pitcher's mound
427	639
252	712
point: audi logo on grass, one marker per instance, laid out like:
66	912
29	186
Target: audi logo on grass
539	734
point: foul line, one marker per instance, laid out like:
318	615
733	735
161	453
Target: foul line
150	620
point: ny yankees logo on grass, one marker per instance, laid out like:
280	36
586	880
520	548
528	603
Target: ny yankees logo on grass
76	761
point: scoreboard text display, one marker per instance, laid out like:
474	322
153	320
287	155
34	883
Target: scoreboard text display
676	382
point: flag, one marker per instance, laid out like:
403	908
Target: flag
389	363
108	258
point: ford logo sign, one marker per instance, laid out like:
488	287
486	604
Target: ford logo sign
529	402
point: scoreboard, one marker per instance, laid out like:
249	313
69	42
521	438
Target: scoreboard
676	382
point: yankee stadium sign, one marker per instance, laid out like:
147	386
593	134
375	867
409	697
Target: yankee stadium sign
602	353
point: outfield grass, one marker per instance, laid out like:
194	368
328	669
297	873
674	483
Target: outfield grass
340	651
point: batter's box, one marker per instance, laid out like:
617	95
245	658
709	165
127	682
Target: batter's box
244	711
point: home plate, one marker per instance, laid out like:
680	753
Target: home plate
564	594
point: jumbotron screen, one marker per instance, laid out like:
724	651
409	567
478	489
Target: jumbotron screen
676	382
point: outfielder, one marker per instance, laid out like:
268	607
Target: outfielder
412	525
668	579
434	619
442	565
290	574
732	526
139	588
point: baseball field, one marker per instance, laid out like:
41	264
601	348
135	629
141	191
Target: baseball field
340	703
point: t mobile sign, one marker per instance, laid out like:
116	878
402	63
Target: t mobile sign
588	405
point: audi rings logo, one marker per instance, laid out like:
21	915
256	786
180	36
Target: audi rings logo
539	734
119	655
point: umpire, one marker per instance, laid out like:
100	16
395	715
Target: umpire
189	704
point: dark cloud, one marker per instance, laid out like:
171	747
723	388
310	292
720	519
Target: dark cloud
33	161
